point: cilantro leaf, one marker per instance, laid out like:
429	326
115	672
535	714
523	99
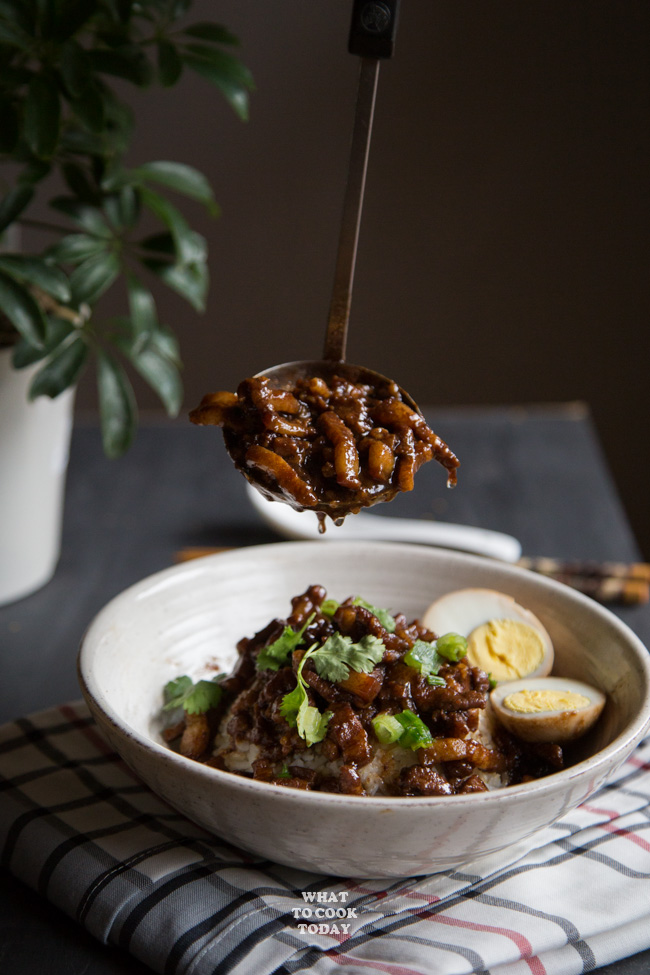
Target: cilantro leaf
299	714
292	702
206	695
382	615
277	653
175	692
312	725
194	698
339	655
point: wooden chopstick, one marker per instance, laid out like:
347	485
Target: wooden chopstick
606	582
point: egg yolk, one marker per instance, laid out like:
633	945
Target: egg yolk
506	649
534	702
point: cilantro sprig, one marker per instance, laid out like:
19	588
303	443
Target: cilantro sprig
428	658
194	698
333	661
310	724
339	655
277	654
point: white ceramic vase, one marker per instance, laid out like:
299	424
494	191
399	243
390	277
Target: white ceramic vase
34	447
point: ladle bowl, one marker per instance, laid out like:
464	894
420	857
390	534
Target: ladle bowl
287	374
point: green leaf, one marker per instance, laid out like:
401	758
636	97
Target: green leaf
128	62
75	248
235	92
277	654
19	13
206	695
158	369
75	68
14	36
119	121
79	182
35	270
24	354
34	172
22	311
71	16
214	33
170	65
194	698
80	142
382	615
175	691
179	177
117	406
142	307
228	67
89	108
129	206
123	207
42	116
190	246
311	724
299	714
339	655
89	217
191	281
13	204
8	125
94	276
61	370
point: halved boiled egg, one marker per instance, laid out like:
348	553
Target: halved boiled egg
547	709
503	639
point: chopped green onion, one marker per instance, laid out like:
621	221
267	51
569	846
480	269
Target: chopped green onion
329	607
284	773
452	646
387	728
425	658
416	734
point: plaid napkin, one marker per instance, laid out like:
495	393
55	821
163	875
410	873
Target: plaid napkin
78	827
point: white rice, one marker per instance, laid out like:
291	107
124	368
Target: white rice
383	768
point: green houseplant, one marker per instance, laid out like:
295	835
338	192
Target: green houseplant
65	132
60	114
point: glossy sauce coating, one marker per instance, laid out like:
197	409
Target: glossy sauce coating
331	447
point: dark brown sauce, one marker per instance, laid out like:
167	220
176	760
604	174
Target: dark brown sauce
330	447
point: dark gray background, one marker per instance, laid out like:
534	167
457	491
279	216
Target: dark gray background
504	242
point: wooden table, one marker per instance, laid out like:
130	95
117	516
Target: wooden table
536	473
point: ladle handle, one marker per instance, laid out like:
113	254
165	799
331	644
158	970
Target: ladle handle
372	36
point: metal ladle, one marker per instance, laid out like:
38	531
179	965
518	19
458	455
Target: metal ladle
372	37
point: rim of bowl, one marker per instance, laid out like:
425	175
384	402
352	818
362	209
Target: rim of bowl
625	741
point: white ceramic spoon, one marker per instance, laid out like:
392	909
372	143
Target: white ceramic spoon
304	525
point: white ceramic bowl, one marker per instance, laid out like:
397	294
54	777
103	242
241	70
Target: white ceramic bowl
186	617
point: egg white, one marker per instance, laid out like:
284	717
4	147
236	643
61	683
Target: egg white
464	610
557	726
